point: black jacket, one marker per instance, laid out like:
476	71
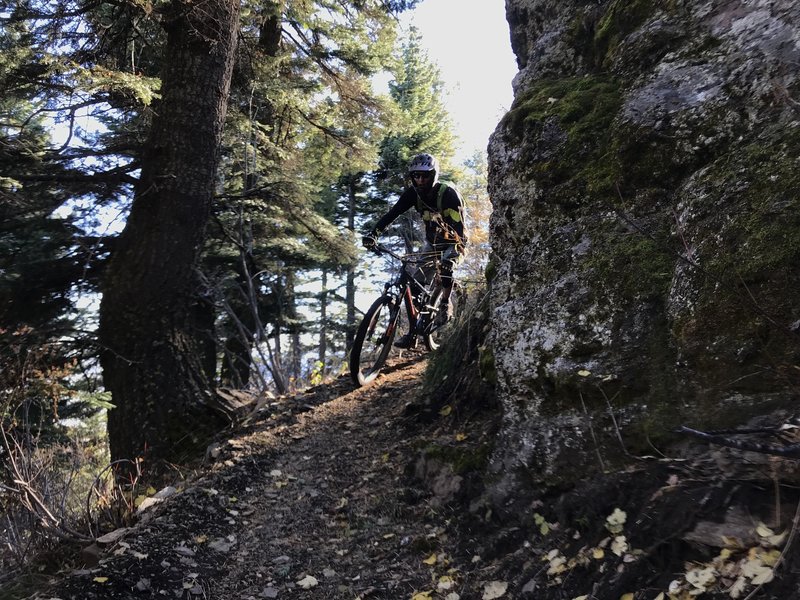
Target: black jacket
452	212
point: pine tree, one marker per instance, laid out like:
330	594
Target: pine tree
423	126
148	315
303	116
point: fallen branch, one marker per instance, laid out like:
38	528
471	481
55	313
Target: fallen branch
720	438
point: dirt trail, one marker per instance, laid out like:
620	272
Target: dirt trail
320	499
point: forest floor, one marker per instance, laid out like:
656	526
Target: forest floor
325	497
349	493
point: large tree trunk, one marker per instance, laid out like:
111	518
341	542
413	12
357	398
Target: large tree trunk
150	358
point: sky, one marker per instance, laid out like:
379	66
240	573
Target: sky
469	41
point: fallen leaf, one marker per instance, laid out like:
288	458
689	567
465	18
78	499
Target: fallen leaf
557	565
100	579
701	579
764	576
308	582
494	589
738	587
460	437
756	572
598	554
421	596
626	597
431	560
616	520
777	539
446	410
770	558
764	531
584	373
620	545
445	583
584	597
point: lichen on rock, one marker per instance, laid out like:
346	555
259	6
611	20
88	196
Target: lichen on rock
645	226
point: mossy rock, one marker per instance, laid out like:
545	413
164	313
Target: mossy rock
582	108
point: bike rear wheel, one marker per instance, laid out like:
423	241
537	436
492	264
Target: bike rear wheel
373	340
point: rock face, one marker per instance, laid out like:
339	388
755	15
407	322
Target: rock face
646	226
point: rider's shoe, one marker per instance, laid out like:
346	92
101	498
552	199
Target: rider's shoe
407	342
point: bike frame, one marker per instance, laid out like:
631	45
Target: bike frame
373	339
403	286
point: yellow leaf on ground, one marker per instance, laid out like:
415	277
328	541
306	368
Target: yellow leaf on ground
446	410
584	373
598	554
431	560
460	437
771	558
626	597
150	491
100	579
421	596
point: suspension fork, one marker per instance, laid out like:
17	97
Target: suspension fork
411	310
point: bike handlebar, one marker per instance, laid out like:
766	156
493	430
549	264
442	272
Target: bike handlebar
406	258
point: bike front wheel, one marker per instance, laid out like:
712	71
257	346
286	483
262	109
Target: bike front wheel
373	340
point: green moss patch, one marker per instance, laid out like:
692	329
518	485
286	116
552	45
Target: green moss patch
583	109
631	264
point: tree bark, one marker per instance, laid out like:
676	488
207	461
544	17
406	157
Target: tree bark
151	360
323	323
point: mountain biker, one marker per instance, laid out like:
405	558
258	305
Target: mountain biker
442	211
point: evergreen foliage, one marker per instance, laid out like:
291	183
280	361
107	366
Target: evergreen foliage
302	117
423	124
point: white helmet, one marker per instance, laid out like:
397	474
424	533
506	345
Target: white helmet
424	162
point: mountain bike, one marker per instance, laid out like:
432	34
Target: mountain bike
418	284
